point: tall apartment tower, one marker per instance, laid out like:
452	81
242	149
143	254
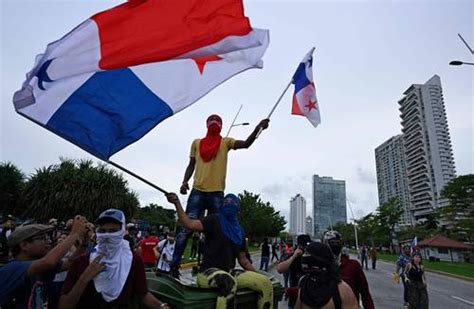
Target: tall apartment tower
329	203
392	176
427	146
309	226
297	215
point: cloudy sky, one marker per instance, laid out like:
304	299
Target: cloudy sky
367	54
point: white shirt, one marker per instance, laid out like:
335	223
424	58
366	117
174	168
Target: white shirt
165	251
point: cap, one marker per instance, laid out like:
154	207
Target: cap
22	233
113	215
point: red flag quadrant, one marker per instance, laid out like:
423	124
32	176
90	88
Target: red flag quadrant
305	102
113	78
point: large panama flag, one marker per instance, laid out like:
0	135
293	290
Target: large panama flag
117	75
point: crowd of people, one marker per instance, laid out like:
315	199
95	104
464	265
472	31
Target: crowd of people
103	264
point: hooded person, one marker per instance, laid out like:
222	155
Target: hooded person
111	275
224	242
321	285
349	269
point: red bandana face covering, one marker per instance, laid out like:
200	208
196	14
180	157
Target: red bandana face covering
209	145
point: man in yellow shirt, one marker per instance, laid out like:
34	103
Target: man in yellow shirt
208	162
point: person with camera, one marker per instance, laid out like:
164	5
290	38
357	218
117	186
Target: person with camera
24	281
164	253
321	285
292	263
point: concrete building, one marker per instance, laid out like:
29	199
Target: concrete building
309	226
297	215
427	146
392	176
329	203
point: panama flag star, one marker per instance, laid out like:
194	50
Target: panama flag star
305	102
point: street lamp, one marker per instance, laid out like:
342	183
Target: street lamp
457	62
355	227
237	124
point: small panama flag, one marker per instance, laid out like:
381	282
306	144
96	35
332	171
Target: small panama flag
305	102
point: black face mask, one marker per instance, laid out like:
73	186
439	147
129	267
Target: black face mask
312	264
335	248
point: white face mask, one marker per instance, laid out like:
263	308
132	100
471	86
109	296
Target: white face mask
109	243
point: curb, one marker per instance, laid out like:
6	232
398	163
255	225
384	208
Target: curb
439	272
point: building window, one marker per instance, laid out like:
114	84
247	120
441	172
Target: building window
443	250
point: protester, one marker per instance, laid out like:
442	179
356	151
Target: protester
112	275
8	227
373	256
208	162
274	251
194	245
224	243
364	255
164	253
321	285
402	262
293	265
25	280
264	255
416	283
146	249
285	255
350	270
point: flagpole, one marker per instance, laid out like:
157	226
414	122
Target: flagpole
137	176
276	104
235	118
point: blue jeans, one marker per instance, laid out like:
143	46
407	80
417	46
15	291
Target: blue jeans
198	201
264	262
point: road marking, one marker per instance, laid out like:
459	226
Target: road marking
463	300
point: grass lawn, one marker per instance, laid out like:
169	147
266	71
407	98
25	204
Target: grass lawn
456	268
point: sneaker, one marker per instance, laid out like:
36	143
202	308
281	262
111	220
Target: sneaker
175	273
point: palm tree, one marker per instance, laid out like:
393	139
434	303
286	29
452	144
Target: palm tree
76	187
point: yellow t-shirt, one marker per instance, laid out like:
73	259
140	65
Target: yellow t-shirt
210	176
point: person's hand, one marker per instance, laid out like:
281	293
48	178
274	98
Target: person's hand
172	198
396	278
184	188
79	226
263	124
94	268
298	252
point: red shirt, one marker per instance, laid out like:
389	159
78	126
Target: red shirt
352	274
134	286
147	246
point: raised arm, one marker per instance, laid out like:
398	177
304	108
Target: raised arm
187	175
249	141
285	265
50	260
190	224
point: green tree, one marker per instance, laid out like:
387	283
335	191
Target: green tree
370	231
157	215
259	219
76	187
460	211
388	216
347	232
11	187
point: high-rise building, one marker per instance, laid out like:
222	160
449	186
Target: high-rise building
309	226
427	146
329	203
297	215
392	175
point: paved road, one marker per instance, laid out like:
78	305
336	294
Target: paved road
444	292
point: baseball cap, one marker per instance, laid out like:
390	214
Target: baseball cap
111	215
25	232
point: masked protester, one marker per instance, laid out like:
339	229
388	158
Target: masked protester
111	275
290	264
321	285
208	162
164	253
349	269
224	242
